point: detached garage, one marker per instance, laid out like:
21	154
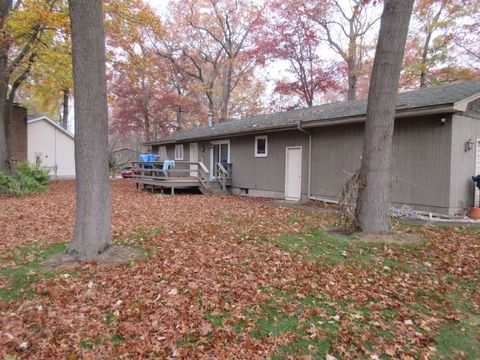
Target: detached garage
52	146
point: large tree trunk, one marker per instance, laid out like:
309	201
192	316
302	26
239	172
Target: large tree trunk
92	234
66	98
373	200
4	79
3	125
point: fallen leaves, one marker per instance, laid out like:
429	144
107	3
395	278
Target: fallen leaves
214	269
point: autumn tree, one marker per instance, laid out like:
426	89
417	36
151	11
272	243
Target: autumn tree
25	28
49	88
147	93
373	204
212	42
434	47
92	233
345	27
292	38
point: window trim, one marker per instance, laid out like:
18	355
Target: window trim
162	153
179	146
266	145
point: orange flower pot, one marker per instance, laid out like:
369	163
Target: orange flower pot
475	213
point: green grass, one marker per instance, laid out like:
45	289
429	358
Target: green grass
458	339
21	269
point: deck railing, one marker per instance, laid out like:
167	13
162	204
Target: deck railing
186	171
224	174
154	170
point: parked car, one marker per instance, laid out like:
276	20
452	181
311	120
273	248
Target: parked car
128	172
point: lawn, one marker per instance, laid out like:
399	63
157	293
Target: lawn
231	277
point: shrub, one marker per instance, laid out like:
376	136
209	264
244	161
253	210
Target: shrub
27	179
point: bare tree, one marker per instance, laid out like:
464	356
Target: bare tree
92	234
374	179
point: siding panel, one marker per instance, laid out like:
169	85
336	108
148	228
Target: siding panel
463	163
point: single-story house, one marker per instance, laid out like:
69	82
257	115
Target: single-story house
52	146
309	153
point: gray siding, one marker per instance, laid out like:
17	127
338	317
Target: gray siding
420	164
465	127
336	153
266	174
421	161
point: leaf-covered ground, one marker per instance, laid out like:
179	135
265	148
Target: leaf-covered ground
230	277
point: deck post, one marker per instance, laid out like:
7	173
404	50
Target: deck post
173	190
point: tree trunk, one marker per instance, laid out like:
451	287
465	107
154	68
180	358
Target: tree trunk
92	233
179	116
5	6
352	79
66	98
227	85
4	125
373	204
352	63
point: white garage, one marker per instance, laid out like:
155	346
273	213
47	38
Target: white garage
52	146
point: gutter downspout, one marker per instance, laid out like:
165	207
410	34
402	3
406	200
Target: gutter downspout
299	127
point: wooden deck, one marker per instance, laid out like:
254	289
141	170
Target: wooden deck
184	175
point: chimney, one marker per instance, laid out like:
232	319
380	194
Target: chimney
210	120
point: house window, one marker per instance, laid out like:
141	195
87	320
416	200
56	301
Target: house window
261	146
162	152
179	152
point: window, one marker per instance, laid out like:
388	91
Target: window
162	152
179	152
261	146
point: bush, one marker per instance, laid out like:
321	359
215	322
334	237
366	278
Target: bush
28	179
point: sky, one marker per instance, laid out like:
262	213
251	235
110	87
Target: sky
159	5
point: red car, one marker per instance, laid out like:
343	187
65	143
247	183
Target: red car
128	172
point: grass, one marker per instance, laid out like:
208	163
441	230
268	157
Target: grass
21	269
455	339
459	339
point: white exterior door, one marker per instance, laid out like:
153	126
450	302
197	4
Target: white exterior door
293	173
477	172
193	158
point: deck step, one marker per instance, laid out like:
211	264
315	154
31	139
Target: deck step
215	188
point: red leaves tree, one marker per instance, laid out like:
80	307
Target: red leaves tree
291	38
212	42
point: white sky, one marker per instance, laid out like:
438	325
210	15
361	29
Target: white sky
160	5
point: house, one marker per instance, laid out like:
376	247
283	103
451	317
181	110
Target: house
124	156
52	146
309	153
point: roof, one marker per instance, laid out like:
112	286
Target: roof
455	95
125	148
51	122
